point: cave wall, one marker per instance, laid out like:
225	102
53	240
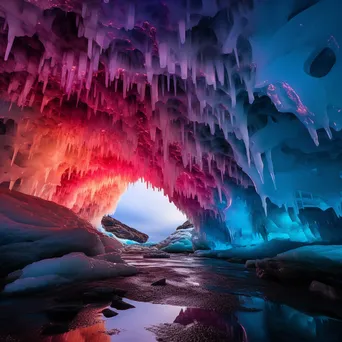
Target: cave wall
237	118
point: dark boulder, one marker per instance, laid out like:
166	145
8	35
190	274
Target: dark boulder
122	231
108	313
186	225
156	255
119	304
64	313
161	282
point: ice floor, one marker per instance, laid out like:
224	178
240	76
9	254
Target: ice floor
210	298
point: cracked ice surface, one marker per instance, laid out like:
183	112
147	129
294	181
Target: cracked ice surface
232	115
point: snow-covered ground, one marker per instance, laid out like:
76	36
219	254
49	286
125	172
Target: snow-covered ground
69	268
320	266
51	245
263	250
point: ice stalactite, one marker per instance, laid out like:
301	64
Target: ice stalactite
196	100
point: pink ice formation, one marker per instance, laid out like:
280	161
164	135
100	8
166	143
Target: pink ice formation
233	108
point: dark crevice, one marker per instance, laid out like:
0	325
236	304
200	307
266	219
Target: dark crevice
322	64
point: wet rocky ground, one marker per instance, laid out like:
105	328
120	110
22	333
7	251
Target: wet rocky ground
181	298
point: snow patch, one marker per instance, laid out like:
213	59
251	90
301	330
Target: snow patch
69	268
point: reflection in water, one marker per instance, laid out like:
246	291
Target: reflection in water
226	323
281	323
94	333
133	323
256	321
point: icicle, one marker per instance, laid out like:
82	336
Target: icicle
10	39
142	91
106	78
82	66
33	95
78	96
313	134
233	96
184	68
162	85
168	81
210	74
90	48
89	77
264	203
175	85
81	30
237	57
219	192
96	59
181	29
328	131
259	165
84	9
220	71
11	184
27	88
45	101
45	84
209	163
41	63
194	71
148	64
241	122
163	54
270	167
15	152
47	172
124	90
130	17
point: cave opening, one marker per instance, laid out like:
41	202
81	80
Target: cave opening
149	211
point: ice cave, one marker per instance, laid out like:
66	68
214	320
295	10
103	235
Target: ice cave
231	108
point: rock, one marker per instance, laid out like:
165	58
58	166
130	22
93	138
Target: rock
13	276
186	225
302	266
64	313
157	255
139	249
111	257
55	329
119	304
324	290
122	231
112	332
36	229
103	290
120	292
200	243
237	260
108	313
161	282
111	245
250	264
178	242
100	294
